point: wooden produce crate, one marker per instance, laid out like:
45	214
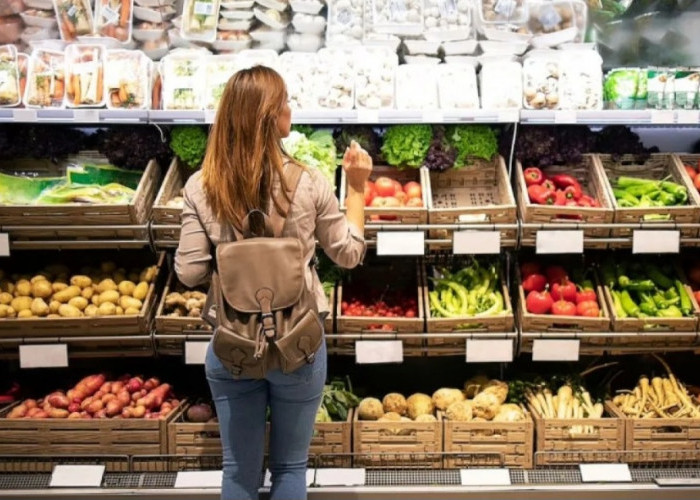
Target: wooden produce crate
658	167
328	322
166	324
193	438
593	183
549	323
502	323
477	193
513	440
401	279
391	215
97	325
658	438
554	435
109	436
332	442
173	184
135	212
397	444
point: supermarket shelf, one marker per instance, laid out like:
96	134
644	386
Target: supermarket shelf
93	346
610	117
77	237
77	116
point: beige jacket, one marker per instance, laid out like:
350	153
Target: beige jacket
314	215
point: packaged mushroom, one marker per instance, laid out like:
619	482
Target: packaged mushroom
345	22
218	70
373	37
417	88
504	20
336	77
398	17
447	20
500	82
301	74
542	80
199	20
457	87
375	70
9	77
551	22
581	80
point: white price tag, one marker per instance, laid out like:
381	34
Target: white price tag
484	477
489	351
400	243
267	481
378	351
663	116
476	242
605	473
565	116
43	356
195	352
433	116
555	350
199	479
662	241
367	116
508	115
548	242
77	476
4	245
340	477
86	115
688	116
25	115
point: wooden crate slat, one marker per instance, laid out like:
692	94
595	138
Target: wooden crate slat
173	183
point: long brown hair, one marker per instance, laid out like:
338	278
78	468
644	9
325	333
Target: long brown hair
244	150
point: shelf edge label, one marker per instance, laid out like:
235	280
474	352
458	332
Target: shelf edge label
656	241
476	242
378	351
195	352
555	349
43	356
400	243
559	242
77	476
199	479
489	351
605	473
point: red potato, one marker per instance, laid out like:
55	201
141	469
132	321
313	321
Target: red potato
134	384
98	395
117	387
74	407
113	408
32	412
100	414
58	413
151	383
108	397
95	406
40	414
19	411
124	398
156	397
86	402
138	411
139	394
74	415
106	387
58	400
30	403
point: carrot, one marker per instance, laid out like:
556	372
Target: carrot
123	96
100	84
69	87
76	89
155	96
68	27
125	13
58	89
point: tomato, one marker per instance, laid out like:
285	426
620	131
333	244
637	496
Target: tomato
412	189
555	274
528	268
402	197
410	313
563	308
691	171
414	202
588	308
370	192
538	302
398	188
586	295
385	186
378	201
534	282
566	290
392	201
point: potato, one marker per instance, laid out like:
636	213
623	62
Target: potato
7	286
23	288
79	302
119	311
90	310
87	292
20	304
148	274
65	295
141	291
95	299
126	287
68	311
54	305
107	309
81	280
108	267
39	307
5	298
3	310
106	285
38	277
58	286
42	289
127	302
108	296
53	316
131	311
25	313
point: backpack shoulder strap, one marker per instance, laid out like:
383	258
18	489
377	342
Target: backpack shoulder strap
292	175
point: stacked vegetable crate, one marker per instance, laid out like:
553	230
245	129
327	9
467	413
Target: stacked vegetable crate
193	438
497	323
692	160
332	442
479	193
397	444
164	214
658	167
591	178
136	212
513	440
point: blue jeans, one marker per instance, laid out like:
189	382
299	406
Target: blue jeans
241	404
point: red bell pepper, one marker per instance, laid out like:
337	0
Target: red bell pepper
573	192
560	197
533	175
564	180
541	195
549	184
587	201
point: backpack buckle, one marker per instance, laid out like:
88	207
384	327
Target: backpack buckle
268	325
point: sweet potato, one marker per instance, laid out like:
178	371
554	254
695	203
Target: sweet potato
19	411
117	387
58	400
74	407
58	413
40	414
138	395
151	383
74	415
139	411
124	397
155	398
30	403
32	412
106	387
95	406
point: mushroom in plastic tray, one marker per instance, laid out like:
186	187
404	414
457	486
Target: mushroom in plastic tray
541	80
345	22
447	20
374	81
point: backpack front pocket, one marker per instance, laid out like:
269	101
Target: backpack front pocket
300	344
237	353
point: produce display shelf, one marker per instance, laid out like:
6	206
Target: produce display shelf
78	116
85	347
77	237
610	117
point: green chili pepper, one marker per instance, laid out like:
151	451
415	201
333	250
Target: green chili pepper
670	312
679	192
617	303
686	303
630	307
659	278
622	195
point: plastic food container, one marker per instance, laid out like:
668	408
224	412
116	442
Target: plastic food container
503	20
9	77
460	47
238	4
551	22
272	18
113	18
50	45
243	14
39	18
541	80
448	20
74	18
501	48
501	85
417	47
22	68
416	88
300	72
457	88
85	76
422	60
308	24
375	70
147	31
280	5
218	70
311	7
37	4
45	79
33	33
265	34
155	14
155	3
468	60
235	24
345	22
254	57
397	17
183	80
304	42
232	41
127	79
336	77
582	80
156	49
200	19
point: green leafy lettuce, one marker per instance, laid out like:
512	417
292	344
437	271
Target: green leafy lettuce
407	145
316	151
472	140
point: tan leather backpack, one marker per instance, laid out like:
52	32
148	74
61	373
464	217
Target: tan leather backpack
264	315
